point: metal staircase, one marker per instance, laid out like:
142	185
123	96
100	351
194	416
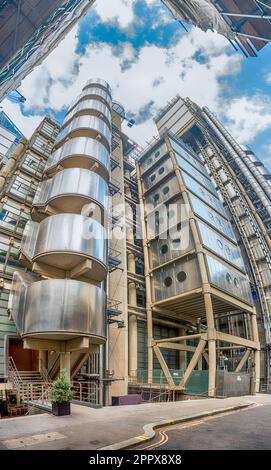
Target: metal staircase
32	386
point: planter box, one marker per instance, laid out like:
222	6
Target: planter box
127	400
61	409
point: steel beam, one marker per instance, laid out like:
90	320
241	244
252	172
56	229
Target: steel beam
164	366
178	347
243	360
226	338
192	364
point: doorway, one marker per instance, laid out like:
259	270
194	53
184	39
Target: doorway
25	359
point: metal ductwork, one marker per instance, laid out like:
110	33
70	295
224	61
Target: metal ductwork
67	245
254	177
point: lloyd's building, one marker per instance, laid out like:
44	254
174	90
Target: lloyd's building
175	301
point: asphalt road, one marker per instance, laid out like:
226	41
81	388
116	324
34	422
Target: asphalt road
243	430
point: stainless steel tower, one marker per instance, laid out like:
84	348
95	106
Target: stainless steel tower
63	312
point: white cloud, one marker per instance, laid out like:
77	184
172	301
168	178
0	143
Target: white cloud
265	155
268	79
117	10
61	76
26	124
248	116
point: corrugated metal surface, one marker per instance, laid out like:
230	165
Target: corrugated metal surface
153	157
212	217
220	245
162	194
168	220
158	174
187	156
163	251
225	278
204	194
197	175
177	278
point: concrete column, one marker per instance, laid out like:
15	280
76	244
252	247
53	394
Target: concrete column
132	345
200	359
131	264
43	360
129	224
182	354
211	344
257	357
65	363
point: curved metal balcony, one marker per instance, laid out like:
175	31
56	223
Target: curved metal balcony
86	126
66	246
93	93
59	309
81	152
92	107
68	192
100	82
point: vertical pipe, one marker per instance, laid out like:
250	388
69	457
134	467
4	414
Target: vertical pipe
257	360
65	364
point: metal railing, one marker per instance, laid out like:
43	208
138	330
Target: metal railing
13	374
265	388
36	393
86	392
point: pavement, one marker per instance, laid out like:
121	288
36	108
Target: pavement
111	427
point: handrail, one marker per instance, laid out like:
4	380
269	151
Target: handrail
13	373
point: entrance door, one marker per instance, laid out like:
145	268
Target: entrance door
25	359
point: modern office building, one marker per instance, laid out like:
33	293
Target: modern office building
246	23
19	178
29	31
135	270
9	137
244	184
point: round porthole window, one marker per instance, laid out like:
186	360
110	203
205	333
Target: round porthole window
152	178
150	161
219	244
181	276
236	282
157	154
227	249
165	189
164	249
229	278
168	281
156	197
161	170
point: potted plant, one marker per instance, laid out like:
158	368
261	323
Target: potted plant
61	395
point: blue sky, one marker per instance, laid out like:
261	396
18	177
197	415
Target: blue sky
148	58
